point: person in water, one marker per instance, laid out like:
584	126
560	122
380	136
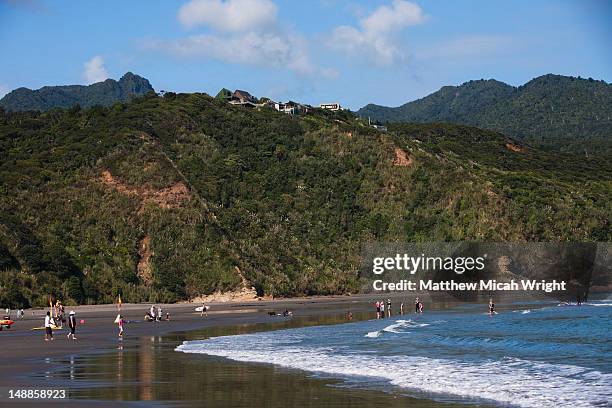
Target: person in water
491	307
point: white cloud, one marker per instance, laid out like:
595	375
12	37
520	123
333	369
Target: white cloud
95	71
401	14
242	32
376	37
268	49
228	15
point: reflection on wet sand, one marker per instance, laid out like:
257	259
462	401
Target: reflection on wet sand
146	369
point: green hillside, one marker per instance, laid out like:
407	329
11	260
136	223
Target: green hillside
66	96
166	198
552	111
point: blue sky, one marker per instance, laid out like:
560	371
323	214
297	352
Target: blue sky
355	52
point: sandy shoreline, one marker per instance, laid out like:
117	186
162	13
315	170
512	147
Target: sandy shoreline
25	350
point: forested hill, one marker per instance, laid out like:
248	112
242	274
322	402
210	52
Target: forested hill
101	93
167	198
553	111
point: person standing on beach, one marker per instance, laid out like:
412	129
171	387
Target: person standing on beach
159	314
382	309
377	304
48	329
389	307
402	308
491	307
204	310
72	325
416	305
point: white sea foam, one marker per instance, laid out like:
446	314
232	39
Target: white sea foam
374	334
510	381
599	304
403	324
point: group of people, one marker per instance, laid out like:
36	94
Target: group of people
53	322
380	309
7	313
383	311
155	314
418	306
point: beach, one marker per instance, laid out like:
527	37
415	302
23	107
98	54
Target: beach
28	359
240	355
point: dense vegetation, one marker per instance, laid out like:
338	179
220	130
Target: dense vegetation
101	93
552	111
285	202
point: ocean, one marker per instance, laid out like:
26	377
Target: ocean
540	355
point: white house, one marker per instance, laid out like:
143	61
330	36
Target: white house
331	106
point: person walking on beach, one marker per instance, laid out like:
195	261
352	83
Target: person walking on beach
120	324
48	329
491	307
72	325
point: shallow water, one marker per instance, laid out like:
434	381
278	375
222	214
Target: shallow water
541	356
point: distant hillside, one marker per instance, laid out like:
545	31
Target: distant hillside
168	198
101	93
553	111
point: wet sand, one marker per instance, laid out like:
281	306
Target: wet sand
99	370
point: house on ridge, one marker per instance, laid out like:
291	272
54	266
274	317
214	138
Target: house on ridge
331	106
292	108
224	94
243	98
